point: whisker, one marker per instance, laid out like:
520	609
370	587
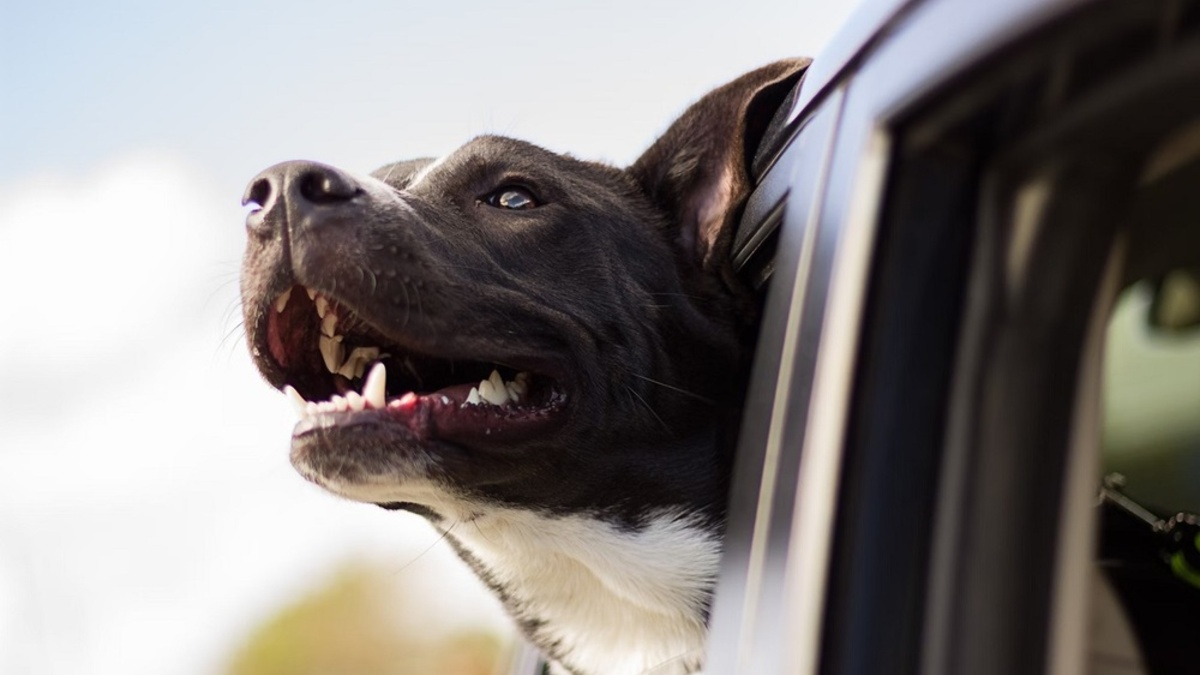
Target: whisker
429	548
239	328
387	177
694	654
475	522
647	406
374	281
407	303
231	311
685	392
420	309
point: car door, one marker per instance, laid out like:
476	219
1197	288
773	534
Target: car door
980	187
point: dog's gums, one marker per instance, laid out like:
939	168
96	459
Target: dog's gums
451	400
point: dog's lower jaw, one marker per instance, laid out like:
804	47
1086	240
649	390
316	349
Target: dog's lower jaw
597	598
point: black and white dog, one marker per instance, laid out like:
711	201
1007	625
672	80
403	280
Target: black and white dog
543	356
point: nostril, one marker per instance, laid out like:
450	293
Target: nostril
258	194
326	186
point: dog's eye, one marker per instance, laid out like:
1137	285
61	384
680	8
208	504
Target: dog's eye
512	197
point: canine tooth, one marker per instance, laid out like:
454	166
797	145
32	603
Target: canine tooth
312	294
282	301
297	400
473	397
322	306
329	324
375	389
489	392
355	401
333	352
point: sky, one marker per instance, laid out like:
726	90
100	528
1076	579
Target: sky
148	514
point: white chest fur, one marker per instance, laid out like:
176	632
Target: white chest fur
616	602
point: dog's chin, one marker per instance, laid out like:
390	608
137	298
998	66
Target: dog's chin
404	453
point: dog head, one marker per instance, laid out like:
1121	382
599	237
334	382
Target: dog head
506	328
602	297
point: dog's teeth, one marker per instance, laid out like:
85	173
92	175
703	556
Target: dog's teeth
513	393
356	402
329	324
312	294
297	400
340	403
520	384
311	409
485	390
322	306
356	363
375	389
282	301
333	352
473	397
491	392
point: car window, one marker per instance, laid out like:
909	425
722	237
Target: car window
1152	389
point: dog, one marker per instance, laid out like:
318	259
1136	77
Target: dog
543	356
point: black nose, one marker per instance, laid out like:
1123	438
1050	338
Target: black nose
293	192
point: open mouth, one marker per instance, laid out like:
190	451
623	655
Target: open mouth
340	371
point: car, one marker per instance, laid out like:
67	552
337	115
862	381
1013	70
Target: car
976	232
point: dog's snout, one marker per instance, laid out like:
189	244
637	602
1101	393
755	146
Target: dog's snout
292	191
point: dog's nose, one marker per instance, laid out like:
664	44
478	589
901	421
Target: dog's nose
291	191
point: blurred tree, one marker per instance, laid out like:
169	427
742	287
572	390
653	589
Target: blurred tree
356	625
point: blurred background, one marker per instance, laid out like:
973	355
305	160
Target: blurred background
149	519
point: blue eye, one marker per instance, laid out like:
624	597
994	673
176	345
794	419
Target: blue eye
512	197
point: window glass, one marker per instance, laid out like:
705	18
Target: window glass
1152	390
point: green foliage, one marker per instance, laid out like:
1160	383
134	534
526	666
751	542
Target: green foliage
355	625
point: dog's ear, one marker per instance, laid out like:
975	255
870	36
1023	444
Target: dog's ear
698	171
